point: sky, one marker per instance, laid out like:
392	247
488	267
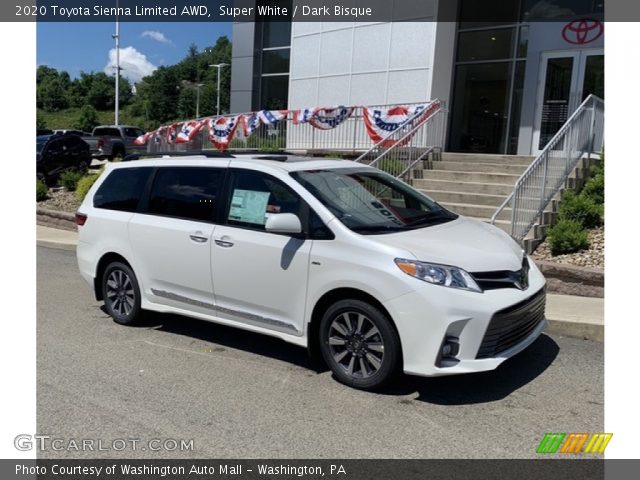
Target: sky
87	47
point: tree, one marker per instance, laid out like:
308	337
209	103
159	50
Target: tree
87	119
41	123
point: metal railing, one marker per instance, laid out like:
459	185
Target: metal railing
350	137
581	135
414	141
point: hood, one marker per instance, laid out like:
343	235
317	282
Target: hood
466	243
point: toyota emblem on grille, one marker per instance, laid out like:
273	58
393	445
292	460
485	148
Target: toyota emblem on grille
580	32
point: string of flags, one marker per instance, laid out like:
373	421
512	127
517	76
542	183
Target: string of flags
379	123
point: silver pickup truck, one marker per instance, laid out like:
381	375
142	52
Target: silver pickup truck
113	141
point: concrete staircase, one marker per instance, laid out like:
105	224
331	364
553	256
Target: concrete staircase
475	185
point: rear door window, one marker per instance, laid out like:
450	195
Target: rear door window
186	192
122	189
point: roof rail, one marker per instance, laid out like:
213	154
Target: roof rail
192	153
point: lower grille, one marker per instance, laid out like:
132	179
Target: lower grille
510	326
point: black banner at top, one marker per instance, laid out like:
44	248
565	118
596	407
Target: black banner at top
472	12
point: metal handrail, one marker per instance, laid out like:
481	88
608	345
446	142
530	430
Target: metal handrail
581	134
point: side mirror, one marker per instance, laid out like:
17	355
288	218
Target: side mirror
283	223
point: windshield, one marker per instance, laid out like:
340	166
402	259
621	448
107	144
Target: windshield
40	143
370	201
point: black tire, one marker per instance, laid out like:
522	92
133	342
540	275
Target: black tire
360	344
118	155
121	294
83	167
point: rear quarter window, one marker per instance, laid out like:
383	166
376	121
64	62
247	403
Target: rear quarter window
122	189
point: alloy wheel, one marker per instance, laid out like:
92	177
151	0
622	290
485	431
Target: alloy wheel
356	344
120	292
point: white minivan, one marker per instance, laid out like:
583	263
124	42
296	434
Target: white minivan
329	254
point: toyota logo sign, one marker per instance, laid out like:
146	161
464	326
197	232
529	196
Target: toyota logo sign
583	31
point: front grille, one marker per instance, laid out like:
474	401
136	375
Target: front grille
510	326
504	278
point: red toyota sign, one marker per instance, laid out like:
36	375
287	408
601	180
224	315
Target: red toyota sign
580	32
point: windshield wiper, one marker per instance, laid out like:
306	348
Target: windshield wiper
432	218
377	228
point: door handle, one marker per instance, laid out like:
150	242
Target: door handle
198	237
224	243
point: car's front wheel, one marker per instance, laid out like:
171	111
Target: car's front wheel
359	344
121	293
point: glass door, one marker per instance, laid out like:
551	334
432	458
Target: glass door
566	79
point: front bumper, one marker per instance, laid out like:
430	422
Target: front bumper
425	317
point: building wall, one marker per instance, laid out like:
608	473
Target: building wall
347	63
242	66
356	64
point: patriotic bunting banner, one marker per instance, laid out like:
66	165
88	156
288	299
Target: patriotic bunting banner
382	122
330	117
158	134
188	131
143	139
271	117
222	129
250	122
172	133
303	115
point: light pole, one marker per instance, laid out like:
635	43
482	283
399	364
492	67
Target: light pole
198	85
117	39
218	66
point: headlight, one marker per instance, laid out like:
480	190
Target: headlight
444	275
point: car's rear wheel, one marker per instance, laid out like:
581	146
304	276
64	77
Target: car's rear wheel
121	293
359	344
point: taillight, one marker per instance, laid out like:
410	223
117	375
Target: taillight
81	218
100	143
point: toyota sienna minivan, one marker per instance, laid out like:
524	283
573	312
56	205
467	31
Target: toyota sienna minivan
332	255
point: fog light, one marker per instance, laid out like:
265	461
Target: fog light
450	347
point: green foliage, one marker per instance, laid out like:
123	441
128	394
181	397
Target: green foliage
87	119
581	209
567	236
69	179
84	184
594	188
41	191
393	166
161	97
41	123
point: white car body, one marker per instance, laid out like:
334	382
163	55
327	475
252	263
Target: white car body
270	283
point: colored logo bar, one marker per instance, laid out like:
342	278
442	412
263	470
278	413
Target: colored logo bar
574	442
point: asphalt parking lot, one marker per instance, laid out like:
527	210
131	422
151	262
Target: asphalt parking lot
241	395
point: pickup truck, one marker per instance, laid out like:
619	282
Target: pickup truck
113	141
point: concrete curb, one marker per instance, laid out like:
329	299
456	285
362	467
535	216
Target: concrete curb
584	331
56	245
572	273
56	219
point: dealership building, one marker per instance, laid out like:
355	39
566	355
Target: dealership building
508	85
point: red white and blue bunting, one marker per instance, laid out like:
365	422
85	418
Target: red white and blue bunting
188	131
222	130
330	117
172	133
143	139
303	115
380	122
